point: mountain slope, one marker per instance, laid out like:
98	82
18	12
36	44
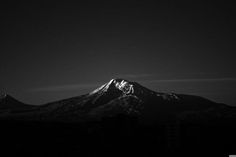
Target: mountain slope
10	104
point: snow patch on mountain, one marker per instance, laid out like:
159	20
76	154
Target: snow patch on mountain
103	88
124	86
120	84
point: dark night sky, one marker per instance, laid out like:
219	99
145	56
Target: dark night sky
51	51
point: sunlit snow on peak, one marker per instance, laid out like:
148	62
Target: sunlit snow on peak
120	84
124	86
103	87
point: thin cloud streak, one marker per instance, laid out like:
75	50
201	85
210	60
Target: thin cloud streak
70	87
86	85
132	76
190	80
65	87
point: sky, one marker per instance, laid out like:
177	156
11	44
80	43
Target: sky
55	50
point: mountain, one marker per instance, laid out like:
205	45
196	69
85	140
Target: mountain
123	97
119	118
8	104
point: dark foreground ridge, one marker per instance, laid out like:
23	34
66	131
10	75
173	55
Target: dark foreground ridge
120	118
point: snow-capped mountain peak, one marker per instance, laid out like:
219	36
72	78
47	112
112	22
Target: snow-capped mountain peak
119	84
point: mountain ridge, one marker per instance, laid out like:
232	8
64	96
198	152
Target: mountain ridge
9	103
122	116
119	96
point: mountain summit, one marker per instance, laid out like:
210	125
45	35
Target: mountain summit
123	85
125	88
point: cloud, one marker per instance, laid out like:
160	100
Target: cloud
190	80
71	87
132	76
65	87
